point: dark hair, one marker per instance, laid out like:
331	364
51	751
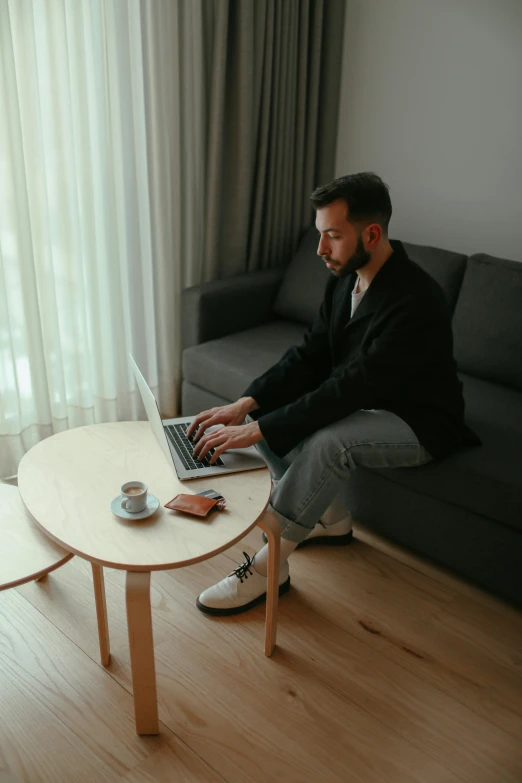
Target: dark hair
366	195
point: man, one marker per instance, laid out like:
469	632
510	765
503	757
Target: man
373	384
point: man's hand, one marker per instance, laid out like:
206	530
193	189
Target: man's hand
225	438
229	415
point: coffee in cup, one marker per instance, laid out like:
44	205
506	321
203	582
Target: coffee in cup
133	490
134	496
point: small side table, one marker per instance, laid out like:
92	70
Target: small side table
26	553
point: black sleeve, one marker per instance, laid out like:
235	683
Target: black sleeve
301	369
388	367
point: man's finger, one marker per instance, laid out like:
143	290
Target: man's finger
218	452
209	442
201	417
221	432
200	446
203	427
194	424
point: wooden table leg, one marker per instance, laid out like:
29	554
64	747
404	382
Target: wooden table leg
139	619
269	524
101	613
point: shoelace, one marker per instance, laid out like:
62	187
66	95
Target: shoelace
244	569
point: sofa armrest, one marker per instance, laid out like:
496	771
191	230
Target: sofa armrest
213	310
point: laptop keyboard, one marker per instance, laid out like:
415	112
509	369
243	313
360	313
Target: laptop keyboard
184	447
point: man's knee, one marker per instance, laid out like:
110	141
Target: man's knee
324	443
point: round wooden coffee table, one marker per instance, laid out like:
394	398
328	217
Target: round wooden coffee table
68	481
27	554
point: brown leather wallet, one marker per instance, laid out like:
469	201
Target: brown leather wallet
192	504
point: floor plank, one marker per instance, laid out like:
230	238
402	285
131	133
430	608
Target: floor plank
405	702
66	597
439	573
172	762
388	670
447	658
487	628
414	708
62	717
261	719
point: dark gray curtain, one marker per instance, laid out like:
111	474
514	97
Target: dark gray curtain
272	76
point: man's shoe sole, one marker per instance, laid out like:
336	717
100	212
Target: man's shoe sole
284	588
325	540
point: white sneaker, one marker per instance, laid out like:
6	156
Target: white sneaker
241	590
336	534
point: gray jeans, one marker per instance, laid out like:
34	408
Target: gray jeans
315	474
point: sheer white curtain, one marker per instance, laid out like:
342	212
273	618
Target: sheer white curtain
91	159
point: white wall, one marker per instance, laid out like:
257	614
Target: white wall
431	100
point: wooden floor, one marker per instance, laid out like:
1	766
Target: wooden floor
388	670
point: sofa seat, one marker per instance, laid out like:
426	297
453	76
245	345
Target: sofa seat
486	480
228	365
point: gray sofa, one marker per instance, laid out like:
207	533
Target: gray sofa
465	511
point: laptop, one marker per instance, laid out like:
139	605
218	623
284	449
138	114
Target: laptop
172	438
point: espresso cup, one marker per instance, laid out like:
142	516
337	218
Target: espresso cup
134	496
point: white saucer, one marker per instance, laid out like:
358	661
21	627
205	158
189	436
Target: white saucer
152	506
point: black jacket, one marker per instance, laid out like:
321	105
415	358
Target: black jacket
396	354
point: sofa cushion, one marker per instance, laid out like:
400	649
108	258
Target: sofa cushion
485	479
446	268
301	293
228	365
487	325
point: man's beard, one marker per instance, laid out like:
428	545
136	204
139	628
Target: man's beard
360	258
